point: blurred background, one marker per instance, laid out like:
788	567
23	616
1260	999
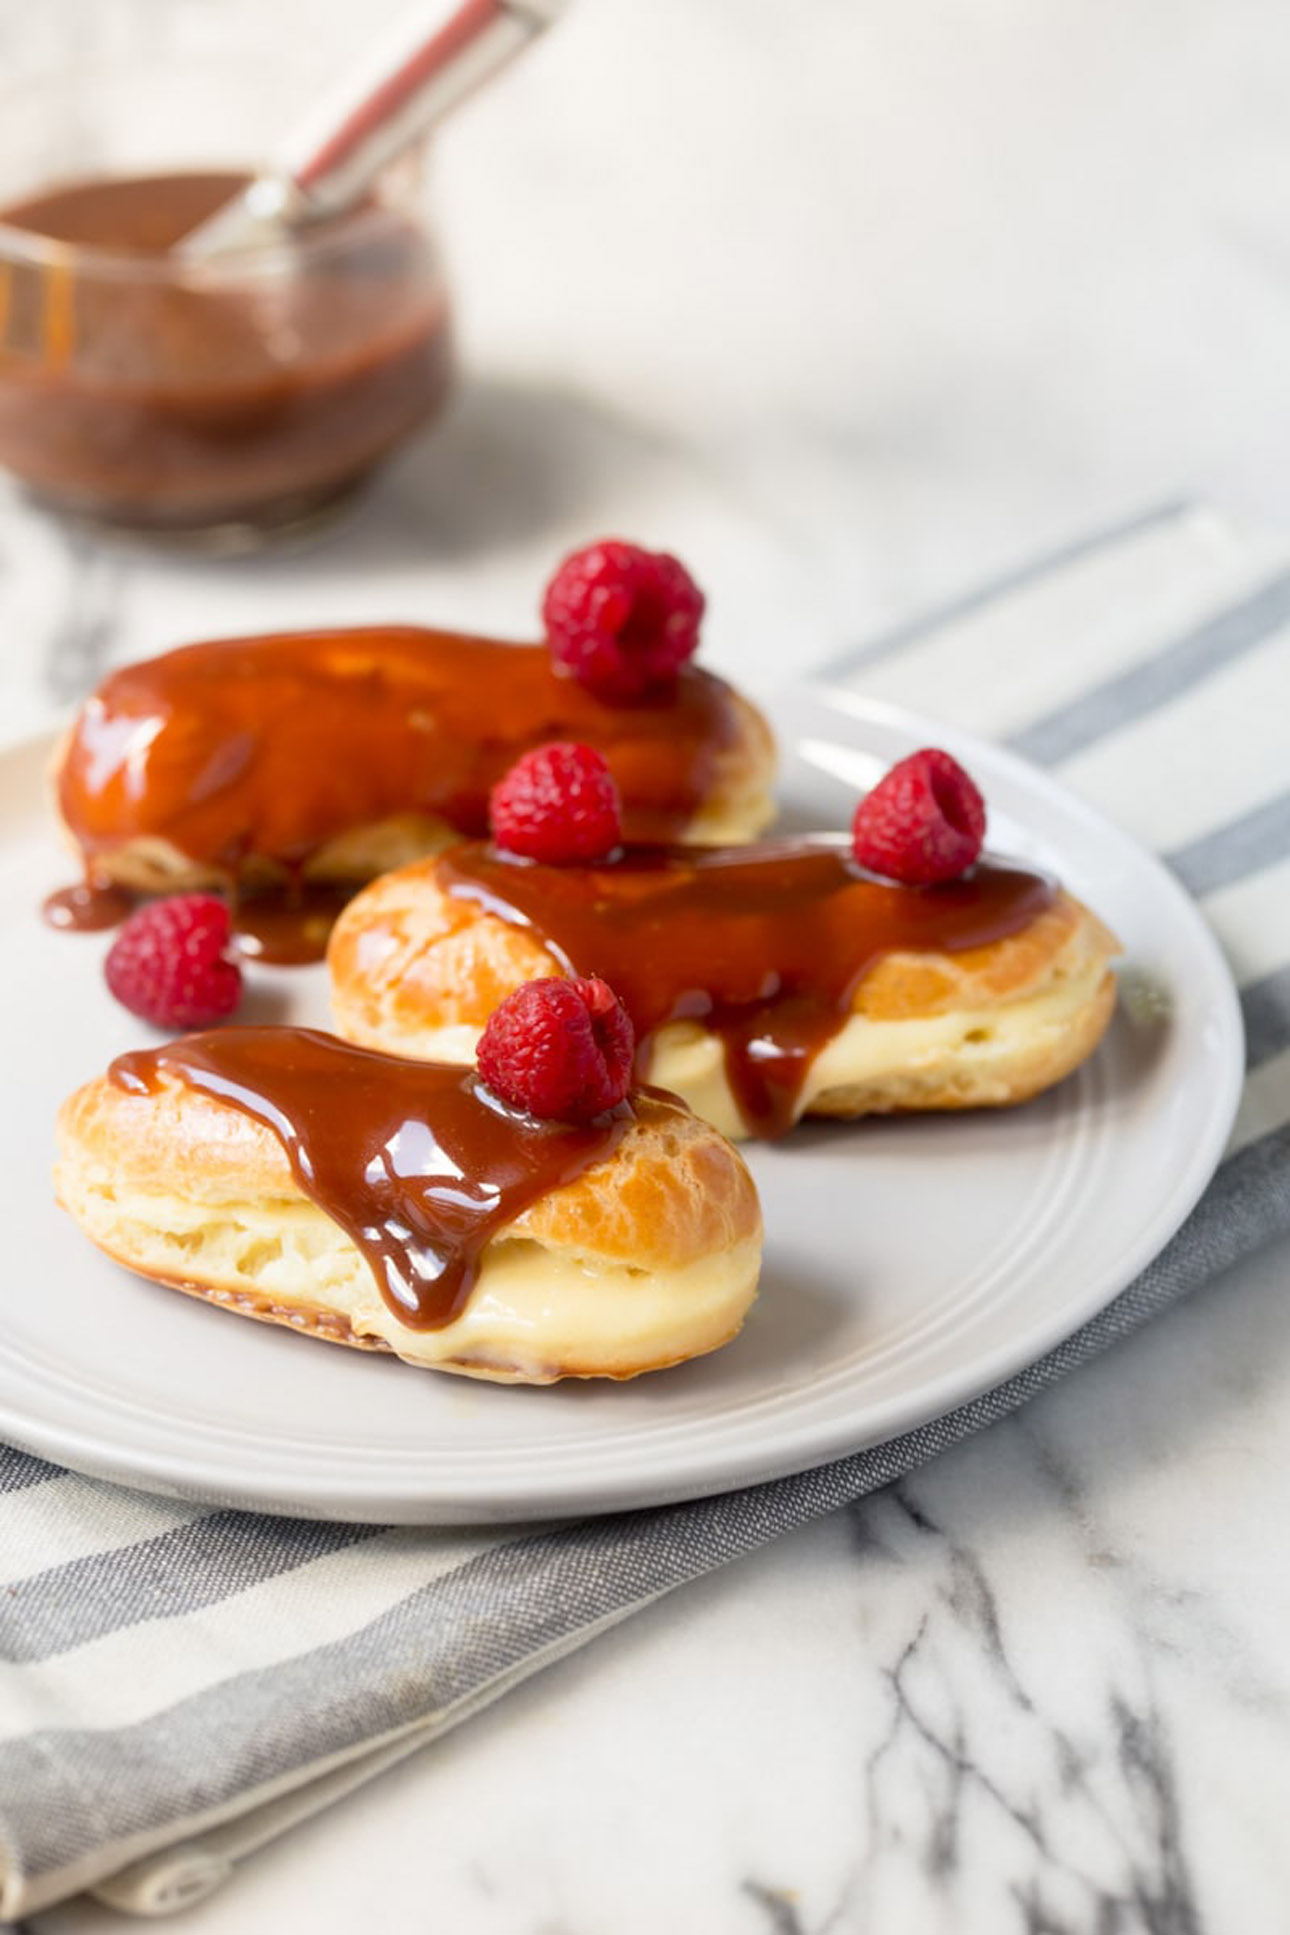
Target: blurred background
855	304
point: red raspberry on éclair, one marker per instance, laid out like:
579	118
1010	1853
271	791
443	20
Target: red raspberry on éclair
559	804
171	963
559	1049
622	620
924	822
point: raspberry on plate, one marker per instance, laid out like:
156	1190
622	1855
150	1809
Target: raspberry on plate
171	963
559	1049
621	619
559	804
924	822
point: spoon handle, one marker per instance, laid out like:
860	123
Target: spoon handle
431	59
410	82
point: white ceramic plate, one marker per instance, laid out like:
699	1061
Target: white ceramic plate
909	1264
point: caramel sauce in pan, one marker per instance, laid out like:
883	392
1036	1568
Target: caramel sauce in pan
263	750
417	1162
763	945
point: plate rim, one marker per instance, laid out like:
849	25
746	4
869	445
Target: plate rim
805	1445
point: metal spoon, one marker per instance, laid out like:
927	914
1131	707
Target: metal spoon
429	61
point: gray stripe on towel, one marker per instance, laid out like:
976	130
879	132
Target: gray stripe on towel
887	644
1168	673
1265	1005
176	1572
19	1470
1245	846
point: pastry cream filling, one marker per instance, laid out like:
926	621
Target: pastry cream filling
534	1314
982	1044
155	865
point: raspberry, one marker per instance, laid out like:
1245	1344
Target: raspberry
558	803
622	620
561	1049
923	822
171	963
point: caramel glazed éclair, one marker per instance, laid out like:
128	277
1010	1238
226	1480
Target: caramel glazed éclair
337	755
267	1170
764	983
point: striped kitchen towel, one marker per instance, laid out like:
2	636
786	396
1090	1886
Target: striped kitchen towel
180	1683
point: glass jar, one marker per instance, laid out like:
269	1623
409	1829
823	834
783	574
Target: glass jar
217	405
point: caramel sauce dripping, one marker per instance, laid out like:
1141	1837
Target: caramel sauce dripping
417	1162
88	907
258	752
764	945
286	925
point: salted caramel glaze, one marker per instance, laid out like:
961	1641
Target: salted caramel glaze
417	1162
262	750
765	946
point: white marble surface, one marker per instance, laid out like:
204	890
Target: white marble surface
853	305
